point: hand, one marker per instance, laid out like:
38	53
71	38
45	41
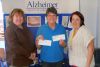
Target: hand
32	56
62	43
40	37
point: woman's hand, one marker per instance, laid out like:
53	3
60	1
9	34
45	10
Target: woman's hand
32	56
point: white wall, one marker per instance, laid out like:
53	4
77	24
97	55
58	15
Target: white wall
89	10
98	24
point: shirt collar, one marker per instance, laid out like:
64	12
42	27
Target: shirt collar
13	26
55	26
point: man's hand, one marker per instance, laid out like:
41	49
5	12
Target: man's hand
40	37
62	43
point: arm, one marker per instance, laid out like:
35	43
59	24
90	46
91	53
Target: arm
90	53
13	43
63	43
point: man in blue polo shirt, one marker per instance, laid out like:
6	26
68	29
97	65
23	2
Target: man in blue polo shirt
52	55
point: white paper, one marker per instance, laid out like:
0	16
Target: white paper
58	37
45	42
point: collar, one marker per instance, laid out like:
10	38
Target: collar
13	26
55	26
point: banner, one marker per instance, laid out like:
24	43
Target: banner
39	6
35	12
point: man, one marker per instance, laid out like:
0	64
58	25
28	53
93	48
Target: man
52	55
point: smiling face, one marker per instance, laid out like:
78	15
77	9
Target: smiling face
51	17
18	19
76	21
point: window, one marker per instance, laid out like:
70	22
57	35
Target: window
2	44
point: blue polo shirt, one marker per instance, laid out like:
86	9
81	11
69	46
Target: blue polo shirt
55	52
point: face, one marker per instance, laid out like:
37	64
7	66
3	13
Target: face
51	17
18	19
76	21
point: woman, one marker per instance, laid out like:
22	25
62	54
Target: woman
81	43
20	48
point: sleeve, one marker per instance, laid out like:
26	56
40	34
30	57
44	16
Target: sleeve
64	31
88	36
13	43
32	39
